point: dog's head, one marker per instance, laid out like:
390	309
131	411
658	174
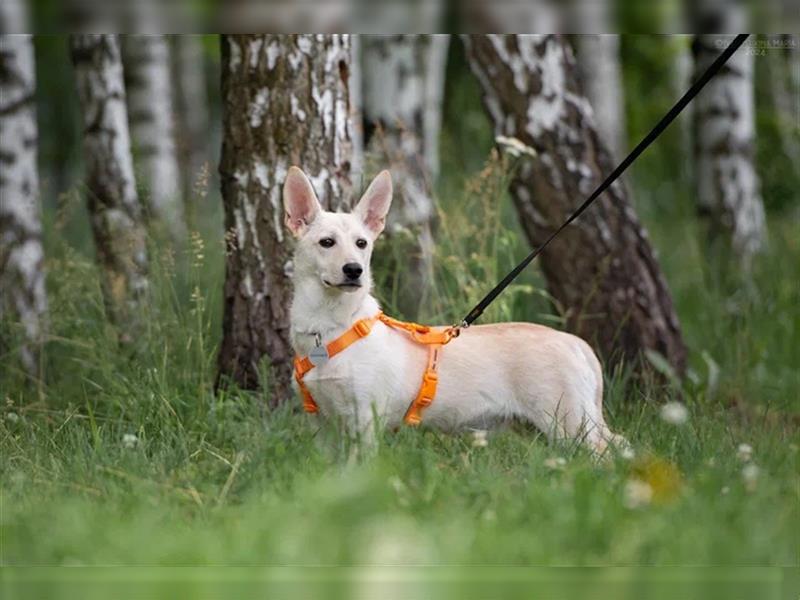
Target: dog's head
335	248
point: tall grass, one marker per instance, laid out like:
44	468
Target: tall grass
130	458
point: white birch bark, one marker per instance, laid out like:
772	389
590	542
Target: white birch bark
356	104
190	108
285	102
22	276
600	73
403	87
114	208
726	184
148	86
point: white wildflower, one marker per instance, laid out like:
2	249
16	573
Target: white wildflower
674	413
750	474
725	490
397	484
479	438
638	493
626	452
744	452
555	463
12	417
129	440
515	147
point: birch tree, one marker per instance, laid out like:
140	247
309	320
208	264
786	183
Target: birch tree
601	270
114	208
726	184
600	71
781	77
22	290
402	97
190	108
285	102
148	87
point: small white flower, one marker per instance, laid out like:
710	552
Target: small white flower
12	417
638	493
397	484
725	490
744	452
555	463
750	474
129	440
514	146
479	438
489	515
626	452
674	413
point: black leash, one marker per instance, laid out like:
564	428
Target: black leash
641	147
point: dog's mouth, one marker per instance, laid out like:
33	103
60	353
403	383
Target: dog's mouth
345	285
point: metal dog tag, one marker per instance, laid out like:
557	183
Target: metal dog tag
318	355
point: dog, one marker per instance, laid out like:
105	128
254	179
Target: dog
487	375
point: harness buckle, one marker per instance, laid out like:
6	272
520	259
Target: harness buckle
361	328
427	391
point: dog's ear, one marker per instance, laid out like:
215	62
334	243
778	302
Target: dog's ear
299	201
374	205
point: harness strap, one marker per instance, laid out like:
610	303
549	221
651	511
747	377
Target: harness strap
427	391
422	334
303	365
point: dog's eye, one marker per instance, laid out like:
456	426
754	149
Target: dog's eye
327	242
361	243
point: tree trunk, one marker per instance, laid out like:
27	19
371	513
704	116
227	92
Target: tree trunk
403	89
726	183
191	111
114	207
356	106
601	270
22	290
781	82
681	80
600	73
148	84
285	102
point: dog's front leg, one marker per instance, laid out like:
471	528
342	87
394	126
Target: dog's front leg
361	429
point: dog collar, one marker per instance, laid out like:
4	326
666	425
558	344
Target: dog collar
422	334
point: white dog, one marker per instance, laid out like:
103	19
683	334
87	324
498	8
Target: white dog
486	375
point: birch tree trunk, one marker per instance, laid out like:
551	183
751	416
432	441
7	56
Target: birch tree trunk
681	80
285	102
22	290
114	208
356	88
403	88
726	183
781	78
148	85
600	74
190	110
601	270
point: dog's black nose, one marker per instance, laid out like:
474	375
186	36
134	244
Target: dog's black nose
352	270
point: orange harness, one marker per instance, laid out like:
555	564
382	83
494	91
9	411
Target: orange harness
422	334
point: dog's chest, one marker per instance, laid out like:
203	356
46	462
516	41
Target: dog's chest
371	372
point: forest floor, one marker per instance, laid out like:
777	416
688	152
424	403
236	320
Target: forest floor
129	458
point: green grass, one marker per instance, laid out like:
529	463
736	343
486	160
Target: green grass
217	480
